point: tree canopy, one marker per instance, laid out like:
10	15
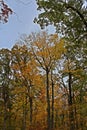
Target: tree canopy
42	85
43	77
68	16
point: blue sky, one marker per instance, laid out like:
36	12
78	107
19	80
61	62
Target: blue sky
20	22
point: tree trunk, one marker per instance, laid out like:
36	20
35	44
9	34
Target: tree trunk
71	118
70	89
48	99
52	125
31	110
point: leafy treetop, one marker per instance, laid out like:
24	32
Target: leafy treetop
68	16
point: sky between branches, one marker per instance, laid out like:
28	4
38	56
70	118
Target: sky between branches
20	22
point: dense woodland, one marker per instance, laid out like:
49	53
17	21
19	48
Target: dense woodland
43	77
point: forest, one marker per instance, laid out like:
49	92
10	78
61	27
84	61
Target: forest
43	77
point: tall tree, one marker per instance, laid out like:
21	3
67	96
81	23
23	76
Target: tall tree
26	79
23	74
5	83
47	49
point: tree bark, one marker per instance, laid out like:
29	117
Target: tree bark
70	89
31	110
71	118
52	125
48	100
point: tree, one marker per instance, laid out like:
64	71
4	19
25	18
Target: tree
26	79
5	83
43	81
66	15
73	80
21	66
47	50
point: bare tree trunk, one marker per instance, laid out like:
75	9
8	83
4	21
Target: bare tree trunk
48	99
31	110
70	89
52	125
71	118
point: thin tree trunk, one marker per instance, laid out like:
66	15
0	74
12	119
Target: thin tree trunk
71	119
31	101
52	125
70	89
31	110
48	99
